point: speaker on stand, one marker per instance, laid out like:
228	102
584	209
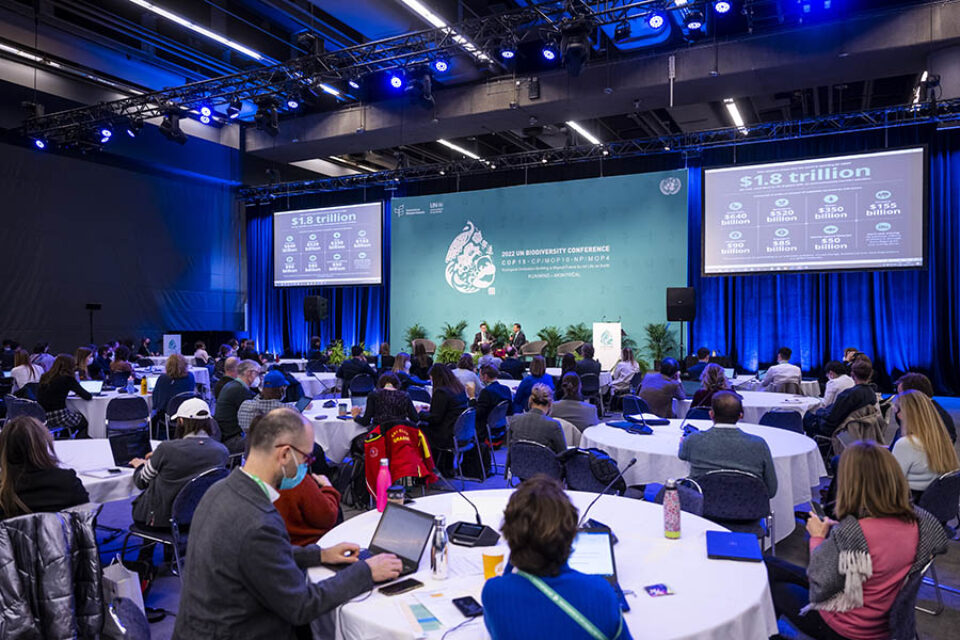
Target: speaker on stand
681	307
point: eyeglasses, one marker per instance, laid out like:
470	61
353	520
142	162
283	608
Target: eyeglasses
308	458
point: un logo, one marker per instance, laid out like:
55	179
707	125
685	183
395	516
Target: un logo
670	186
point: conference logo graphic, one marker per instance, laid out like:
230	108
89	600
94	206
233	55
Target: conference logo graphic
469	260
606	340
670	186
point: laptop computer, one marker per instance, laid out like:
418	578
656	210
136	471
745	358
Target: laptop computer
152	383
728	545
761	373
402	531
593	554
93	387
129	445
8	374
730	373
303	403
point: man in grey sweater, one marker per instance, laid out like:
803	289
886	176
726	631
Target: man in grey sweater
724	446
243	578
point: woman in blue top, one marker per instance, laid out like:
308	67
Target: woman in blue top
175	379
538	375
539	524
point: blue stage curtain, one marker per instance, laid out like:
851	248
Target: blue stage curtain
902	319
275	315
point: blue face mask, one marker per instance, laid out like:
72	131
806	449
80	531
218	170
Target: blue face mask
290	483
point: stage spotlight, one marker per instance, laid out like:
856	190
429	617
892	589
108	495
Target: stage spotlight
206	111
205	119
694	21
266	118
40	143
396	79
293	102
170	128
234	108
354	83
550	51
622	31
105	132
722	6
575	45
134	127
440	65
656	20
508	48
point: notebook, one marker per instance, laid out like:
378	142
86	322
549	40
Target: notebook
727	545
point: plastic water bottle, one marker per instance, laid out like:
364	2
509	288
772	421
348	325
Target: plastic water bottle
671	510
130	387
440	549
143	386
383	483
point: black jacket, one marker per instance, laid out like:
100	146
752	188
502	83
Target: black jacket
518	340
445	408
353	367
491	395
49	490
228	404
53	395
856	397
513	366
417	371
587	365
387	404
947	421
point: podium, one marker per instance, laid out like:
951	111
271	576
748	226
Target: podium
606	343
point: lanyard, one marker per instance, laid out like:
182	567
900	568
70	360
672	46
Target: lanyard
568	608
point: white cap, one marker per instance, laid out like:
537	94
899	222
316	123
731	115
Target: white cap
194	408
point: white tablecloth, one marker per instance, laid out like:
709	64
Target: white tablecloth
715	599
301	363
605	377
315	384
162	360
334	434
795	457
201	375
95	409
809	388
95	455
757	403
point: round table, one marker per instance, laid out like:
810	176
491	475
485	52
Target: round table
159	361
605	377
201	375
757	403
95	409
810	388
713	599
334	434
316	384
300	362
88	457
795	456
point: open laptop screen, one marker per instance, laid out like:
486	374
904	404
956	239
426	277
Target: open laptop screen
92	386
402	531
593	553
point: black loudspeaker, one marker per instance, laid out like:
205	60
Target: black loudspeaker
681	304
314	308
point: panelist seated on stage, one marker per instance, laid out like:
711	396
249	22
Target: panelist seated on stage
572	408
725	446
387	402
481	338
356	365
539	525
517	338
535	426
660	388
782	372
538	375
587	364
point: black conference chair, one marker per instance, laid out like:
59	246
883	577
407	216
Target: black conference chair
361	385
464	441
418	394
505	375
171	409
739	501
698	413
580	476
691	496
633	405
127	413
497	425
526	459
590	389
941	499
788	420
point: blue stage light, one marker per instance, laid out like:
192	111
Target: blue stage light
106	132
39	143
396	81
694	21
550	52
293	103
205	119
656	21
354	83
206	111
722	6
507	53
440	65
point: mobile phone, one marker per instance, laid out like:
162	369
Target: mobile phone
400	587
818	509
113	470
469	607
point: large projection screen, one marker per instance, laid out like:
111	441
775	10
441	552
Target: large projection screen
333	246
854	212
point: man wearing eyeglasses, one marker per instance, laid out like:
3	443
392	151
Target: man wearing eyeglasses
243	578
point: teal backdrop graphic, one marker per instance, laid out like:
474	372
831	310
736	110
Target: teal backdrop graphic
557	254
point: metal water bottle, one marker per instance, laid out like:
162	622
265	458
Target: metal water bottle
671	510
440	549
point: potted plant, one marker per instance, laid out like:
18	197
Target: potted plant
579	332
415	331
336	353
660	342
499	334
448	355
453	331
552	336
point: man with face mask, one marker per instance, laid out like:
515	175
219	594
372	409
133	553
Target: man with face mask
243	578
229	400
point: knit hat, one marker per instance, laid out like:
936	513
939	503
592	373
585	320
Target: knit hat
274	379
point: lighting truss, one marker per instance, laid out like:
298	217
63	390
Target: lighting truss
946	112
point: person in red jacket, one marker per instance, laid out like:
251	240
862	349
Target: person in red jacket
309	510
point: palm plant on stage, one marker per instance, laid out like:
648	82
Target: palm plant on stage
552	336
579	332
336	353
499	334
448	355
452	331
660	343
415	331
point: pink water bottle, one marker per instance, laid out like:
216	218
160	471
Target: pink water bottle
671	510
383	483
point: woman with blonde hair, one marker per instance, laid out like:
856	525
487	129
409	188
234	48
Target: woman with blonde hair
858	565
925	451
712	379
623	372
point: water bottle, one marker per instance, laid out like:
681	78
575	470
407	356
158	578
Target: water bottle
130	387
440	549
143	386
671	510
383	484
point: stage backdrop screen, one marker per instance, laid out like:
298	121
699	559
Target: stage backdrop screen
864	211
555	254
328	247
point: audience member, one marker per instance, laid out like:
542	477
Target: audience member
837	382
309	510
534	425
387	402
857	565
481	338
31	479
568	364
316	349
467	376
174	463
355	365
121	361
622	373
421	363
922	383
84	359
6	355
52	393
100	369
272	390
41	356
538	375
587	364
228	404
24	372
200	356
572	408
539	525
230	373
512	364
517	339
660	388
825	421
725	446
487	357
448	401
243	577
783	372
248	351
175	379
401	369
492	394
223	353
144	350
712	379
386	360
703	359
848	356
925	451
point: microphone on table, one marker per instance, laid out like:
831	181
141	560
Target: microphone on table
467	534
594	524
683	423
